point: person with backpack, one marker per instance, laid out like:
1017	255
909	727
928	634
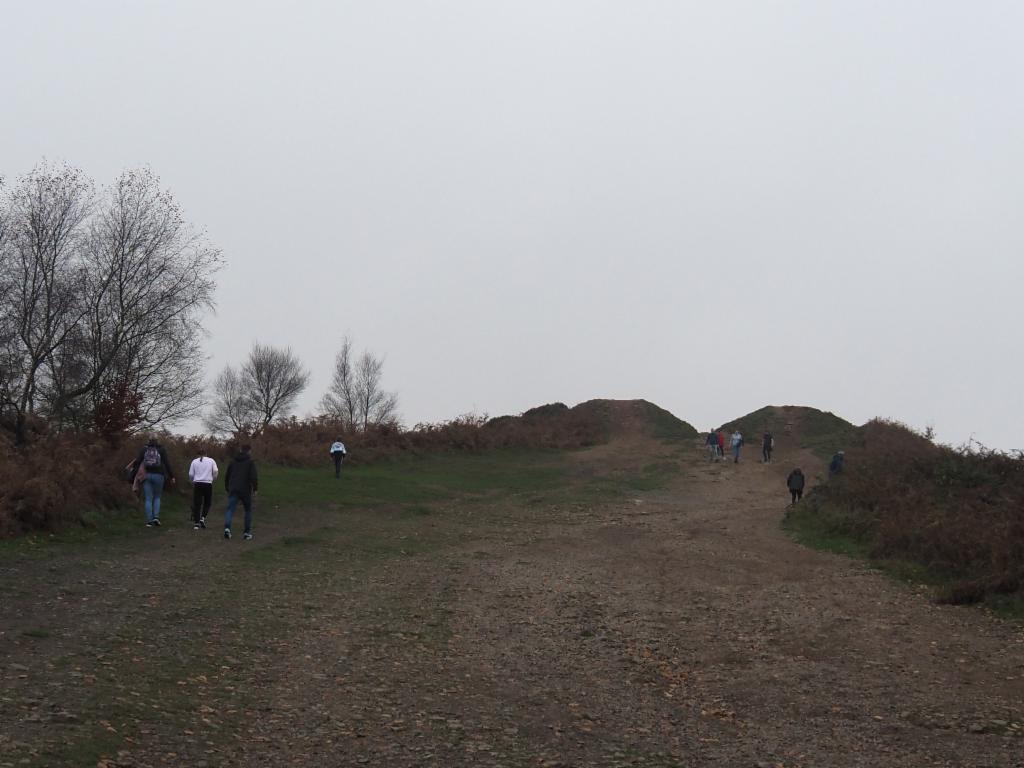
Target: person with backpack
155	469
767	446
712	444
241	482
202	472
795	483
736	442
338	454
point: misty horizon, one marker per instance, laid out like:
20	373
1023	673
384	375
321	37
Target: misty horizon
713	208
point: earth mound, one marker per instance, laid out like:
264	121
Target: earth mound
820	431
600	420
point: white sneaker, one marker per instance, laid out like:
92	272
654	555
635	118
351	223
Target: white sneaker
227	533
247	536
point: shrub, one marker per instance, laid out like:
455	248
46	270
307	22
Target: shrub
954	511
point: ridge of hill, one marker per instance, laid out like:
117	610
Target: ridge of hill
612	418
819	431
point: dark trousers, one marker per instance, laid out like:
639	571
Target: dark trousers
767	453
202	497
338	458
797	494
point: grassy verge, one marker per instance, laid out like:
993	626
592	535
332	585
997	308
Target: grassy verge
819	525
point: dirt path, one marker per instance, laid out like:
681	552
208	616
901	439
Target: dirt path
677	627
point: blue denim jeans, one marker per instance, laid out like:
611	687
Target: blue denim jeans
736	453
233	500
152	487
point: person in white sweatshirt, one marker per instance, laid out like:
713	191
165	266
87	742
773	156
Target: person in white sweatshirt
338	453
202	473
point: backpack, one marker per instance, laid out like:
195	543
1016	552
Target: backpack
151	458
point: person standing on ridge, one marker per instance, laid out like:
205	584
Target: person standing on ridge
202	472
152	461
736	442
241	483
338	453
795	483
767	446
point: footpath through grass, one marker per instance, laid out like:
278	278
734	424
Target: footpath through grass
117	638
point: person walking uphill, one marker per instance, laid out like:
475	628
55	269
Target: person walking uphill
338	454
241	483
202	473
155	470
736	442
712	443
795	483
767	446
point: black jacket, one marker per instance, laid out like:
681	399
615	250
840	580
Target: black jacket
795	481
240	478
164	468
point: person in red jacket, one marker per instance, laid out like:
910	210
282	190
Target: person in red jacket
721	444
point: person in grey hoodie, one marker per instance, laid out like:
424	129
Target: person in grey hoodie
241	483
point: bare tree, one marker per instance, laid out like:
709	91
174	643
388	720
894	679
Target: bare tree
231	411
40	258
273	378
374	405
148	278
341	401
102	301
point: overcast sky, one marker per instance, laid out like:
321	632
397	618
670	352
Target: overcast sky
713	205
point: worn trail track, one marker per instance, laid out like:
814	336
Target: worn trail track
678	627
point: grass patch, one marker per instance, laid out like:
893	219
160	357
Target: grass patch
36	633
414	482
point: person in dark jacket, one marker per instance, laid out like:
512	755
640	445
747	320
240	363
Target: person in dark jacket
767	446
795	483
712	443
152	462
241	483
835	466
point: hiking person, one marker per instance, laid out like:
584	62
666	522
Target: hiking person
154	470
836	465
767	446
736	442
712	444
202	472
721	445
240	482
338	453
795	483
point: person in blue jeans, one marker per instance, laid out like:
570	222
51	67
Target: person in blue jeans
240	482
153	464
736	441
